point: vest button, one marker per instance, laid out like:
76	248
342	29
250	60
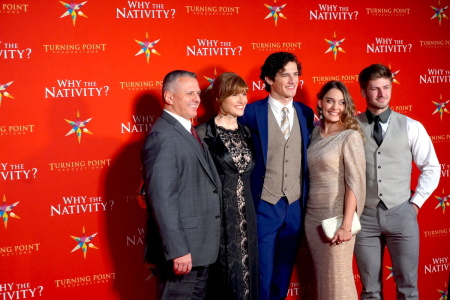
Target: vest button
379	167
217	217
379	180
285	175
381	195
286	161
216	191
379	152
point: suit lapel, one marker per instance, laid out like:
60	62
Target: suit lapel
215	143
303	125
190	139
262	119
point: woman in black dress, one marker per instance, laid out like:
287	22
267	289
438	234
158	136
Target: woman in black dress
235	274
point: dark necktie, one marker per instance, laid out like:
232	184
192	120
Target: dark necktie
377	132
195	134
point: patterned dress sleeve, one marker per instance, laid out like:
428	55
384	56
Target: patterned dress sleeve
355	167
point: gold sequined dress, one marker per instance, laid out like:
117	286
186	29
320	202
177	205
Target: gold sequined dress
332	162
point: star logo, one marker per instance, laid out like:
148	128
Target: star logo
443	201
73	10
335	45
444	293
6	211
78	127
3	91
391	272
146	47
275	12
441	107
211	80
439	12
394	74
84	242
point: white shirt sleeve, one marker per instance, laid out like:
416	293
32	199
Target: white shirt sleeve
425	159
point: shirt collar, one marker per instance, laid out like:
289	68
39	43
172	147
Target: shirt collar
384	116
184	122
277	106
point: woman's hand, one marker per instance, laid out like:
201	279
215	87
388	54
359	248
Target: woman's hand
342	235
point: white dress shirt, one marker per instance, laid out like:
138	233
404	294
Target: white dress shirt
186	123
276	107
424	157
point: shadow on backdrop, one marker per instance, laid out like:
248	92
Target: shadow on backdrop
125	224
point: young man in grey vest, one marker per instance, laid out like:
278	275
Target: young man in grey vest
389	218
280	130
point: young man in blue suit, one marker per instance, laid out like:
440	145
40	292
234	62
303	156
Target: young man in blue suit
281	131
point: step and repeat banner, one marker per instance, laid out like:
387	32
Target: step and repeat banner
80	87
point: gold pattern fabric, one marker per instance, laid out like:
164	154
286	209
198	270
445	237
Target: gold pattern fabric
285	126
333	162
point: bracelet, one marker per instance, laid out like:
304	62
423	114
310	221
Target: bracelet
345	229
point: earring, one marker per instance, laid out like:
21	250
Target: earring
320	113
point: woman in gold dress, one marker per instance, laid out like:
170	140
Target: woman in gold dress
336	163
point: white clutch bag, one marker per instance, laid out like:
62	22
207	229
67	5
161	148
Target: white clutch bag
331	225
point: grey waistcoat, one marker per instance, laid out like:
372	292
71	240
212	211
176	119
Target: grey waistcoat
388	167
283	168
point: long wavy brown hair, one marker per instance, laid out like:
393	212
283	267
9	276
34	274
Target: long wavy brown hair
348	115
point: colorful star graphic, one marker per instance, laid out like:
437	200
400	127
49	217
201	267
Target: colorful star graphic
393	75
77	126
6	211
72	10
211	80
391	272
443	201
3	91
275	12
444	294
440	107
84	242
335	45
439	12
146	47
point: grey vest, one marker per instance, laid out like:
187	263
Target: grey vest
388	167
283	168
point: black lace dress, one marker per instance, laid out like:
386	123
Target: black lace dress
235	274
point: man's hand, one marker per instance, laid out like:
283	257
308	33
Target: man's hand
182	265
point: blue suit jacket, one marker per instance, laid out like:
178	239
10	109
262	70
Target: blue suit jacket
256	119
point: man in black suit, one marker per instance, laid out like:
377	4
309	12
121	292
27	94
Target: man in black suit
183	194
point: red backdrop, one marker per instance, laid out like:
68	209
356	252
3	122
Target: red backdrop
62	63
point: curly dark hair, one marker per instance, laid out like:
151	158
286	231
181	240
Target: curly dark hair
275	63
